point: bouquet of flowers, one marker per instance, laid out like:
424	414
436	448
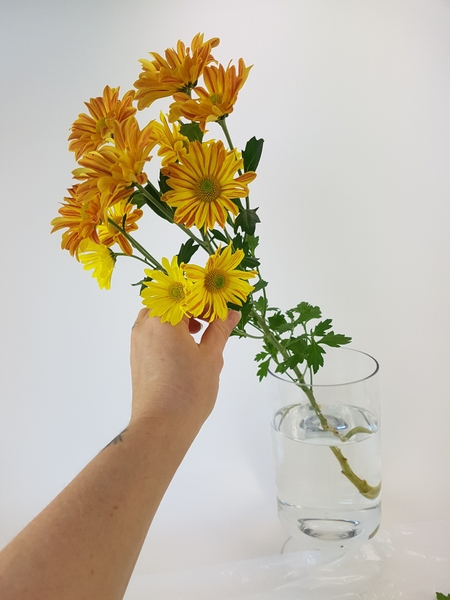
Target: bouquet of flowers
203	189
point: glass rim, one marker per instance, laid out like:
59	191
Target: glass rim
329	385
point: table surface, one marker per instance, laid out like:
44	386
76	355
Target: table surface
403	561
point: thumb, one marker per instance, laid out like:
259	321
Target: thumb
218	331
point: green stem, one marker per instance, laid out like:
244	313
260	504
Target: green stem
160	206
208	245
170	215
366	490
263	290
243	333
301	380
227	235
223	124
132	256
354	431
137	245
188	232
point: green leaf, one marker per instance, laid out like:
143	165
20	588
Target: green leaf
192	131
218	235
238	203
252	154
298	346
286	327
157	205
247	220
141	283
259	286
163	187
282	367
440	596
187	251
307	312
238	242
335	339
252	241
138	200
314	356
261	304
276	320
322	327
271	349
263	369
290	363
244	309
260	356
249	262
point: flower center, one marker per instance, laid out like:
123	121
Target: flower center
215	281
176	291
215	99
208	189
100	125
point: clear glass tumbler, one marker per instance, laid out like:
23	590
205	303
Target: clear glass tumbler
326	446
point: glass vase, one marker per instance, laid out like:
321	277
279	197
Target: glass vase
326	447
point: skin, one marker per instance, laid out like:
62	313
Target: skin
86	542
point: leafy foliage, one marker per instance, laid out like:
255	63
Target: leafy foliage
187	251
153	200
192	131
293	350
440	596
252	154
218	235
247	220
163	187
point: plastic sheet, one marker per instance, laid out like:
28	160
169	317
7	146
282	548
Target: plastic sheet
410	562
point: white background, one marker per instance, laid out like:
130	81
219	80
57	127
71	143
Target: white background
352	98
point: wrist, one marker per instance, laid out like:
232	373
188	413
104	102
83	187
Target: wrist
165	425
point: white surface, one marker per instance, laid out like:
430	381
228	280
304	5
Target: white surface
408	561
353	101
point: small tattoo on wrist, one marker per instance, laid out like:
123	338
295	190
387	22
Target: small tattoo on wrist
117	439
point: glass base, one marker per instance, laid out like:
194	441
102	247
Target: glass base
324	556
330	530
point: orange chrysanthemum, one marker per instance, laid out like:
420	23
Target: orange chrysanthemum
115	168
204	184
125	215
91	132
79	216
179	71
216	284
222	87
172	144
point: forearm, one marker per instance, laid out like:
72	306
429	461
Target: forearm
84	545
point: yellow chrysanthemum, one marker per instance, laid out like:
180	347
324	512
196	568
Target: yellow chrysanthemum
216	284
114	168
80	215
172	144
166	294
179	71
125	215
99	258
219	98
90	132
203	185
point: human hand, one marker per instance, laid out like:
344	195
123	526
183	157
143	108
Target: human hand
172	375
